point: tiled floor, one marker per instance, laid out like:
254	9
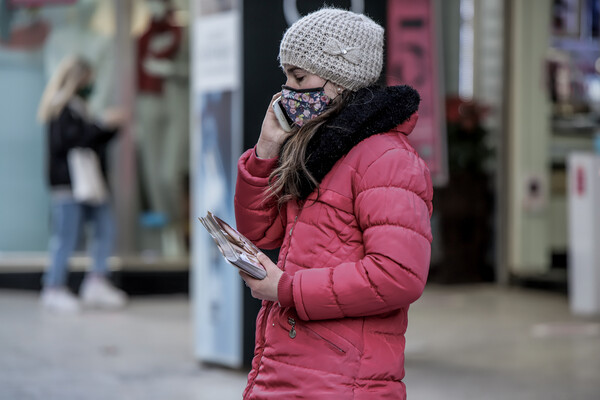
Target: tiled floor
472	342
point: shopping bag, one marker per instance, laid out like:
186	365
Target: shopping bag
87	181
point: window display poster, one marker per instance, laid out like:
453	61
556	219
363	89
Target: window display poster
216	144
412	59
566	17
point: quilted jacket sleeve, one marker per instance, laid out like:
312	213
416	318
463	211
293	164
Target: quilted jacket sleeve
393	205
257	218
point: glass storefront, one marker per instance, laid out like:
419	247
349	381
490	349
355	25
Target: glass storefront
147	75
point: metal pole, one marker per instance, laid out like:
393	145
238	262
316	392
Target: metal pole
124	170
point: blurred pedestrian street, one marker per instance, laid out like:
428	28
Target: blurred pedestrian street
464	342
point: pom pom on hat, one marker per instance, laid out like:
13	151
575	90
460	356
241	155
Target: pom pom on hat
341	46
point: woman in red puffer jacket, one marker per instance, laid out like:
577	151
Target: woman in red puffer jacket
347	200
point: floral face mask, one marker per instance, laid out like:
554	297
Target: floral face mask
302	105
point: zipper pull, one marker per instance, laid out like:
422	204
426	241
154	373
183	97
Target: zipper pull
293	225
292	322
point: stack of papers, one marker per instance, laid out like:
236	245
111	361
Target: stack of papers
236	248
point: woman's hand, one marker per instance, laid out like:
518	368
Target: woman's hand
114	117
272	135
264	289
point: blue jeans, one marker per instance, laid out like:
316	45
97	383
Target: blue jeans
68	217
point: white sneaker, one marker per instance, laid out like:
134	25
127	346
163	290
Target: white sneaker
60	300
98	292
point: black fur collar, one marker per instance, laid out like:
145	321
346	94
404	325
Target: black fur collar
370	111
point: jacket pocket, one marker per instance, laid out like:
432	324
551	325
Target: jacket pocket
309	344
333	343
336	336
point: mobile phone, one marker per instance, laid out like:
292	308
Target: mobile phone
282	117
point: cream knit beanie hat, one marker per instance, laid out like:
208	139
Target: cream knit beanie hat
341	46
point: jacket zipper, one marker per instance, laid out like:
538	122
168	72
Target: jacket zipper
333	345
293	225
292	322
292	334
287	251
264	325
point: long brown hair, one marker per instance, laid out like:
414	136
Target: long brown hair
285	180
63	85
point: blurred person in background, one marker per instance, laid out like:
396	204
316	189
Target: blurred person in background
348	201
63	109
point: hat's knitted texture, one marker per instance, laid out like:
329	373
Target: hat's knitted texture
344	47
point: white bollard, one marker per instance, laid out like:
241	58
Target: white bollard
584	233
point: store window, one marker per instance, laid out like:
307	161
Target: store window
573	83
34	37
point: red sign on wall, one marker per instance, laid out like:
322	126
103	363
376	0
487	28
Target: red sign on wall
412	59
580	181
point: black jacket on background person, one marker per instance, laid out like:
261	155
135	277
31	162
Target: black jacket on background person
68	130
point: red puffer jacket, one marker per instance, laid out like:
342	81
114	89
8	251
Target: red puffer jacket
354	260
